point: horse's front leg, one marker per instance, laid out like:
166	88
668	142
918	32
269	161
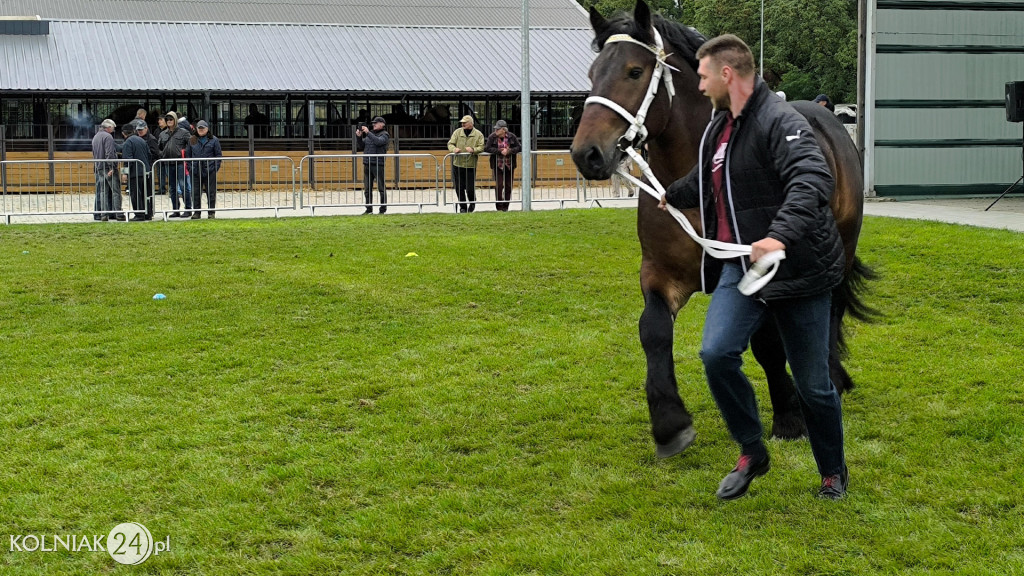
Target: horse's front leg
671	424
787	419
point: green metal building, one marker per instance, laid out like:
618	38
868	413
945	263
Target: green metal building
935	116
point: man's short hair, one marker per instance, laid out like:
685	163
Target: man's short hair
729	50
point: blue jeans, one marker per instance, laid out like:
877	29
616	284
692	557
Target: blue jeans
803	324
184	186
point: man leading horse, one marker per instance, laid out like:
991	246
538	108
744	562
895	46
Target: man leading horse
762	179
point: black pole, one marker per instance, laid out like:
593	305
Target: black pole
3	158
1021	173
252	152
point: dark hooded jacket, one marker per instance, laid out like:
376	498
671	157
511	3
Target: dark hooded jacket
172	144
778	185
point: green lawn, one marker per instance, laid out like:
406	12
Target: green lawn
308	399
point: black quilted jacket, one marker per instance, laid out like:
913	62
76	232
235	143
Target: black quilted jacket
778	185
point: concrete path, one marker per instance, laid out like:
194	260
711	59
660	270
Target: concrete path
1008	213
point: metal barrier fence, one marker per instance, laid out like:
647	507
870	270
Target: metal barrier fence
555	179
180	185
615	188
339	180
57	187
273	183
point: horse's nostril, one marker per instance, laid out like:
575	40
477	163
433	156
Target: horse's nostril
595	158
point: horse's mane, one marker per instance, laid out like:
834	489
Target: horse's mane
684	39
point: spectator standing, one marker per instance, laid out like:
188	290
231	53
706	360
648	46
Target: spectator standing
151	142
154	153
503	146
466	143
185	176
824	100
108	191
161	172
136	152
374	142
204	173
172	142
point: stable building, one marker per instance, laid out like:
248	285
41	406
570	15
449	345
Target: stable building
310	68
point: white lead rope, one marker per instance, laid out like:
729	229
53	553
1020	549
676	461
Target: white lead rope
714	248
758	276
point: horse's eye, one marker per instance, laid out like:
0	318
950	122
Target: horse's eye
636	73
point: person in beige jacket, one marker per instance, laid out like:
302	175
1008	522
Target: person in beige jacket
466	143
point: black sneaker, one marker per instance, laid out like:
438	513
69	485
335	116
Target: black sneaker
736	483
834	487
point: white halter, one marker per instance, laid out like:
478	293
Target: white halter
636	123
628	143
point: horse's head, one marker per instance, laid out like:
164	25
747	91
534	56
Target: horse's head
621	74
631	99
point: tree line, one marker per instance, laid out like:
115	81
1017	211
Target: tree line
810	46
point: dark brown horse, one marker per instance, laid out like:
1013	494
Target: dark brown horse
670	267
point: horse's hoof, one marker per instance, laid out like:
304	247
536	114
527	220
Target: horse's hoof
789	428
677	444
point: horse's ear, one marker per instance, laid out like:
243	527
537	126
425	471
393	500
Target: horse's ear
597	21
642	15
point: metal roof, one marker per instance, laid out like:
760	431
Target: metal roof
152	56
473	13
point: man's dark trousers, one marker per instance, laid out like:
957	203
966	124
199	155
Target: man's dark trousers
374	170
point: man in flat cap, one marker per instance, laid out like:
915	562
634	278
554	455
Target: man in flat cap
136	153
374	142
108	190
466	143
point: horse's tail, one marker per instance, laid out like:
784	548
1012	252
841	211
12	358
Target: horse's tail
848	297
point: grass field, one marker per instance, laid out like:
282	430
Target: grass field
311	399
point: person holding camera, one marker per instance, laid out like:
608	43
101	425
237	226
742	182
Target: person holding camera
374	141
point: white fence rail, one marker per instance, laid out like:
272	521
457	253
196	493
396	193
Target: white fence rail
275	184
341	181
191	186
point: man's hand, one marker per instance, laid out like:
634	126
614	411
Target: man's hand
469	149
663	203
764	246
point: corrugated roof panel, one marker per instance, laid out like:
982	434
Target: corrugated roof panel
471	13
150	56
